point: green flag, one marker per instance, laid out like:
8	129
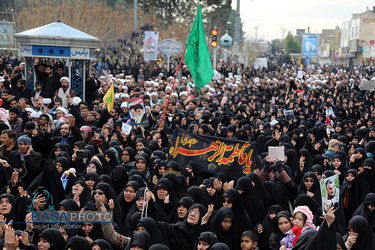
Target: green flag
196	56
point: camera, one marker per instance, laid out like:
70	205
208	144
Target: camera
96	142
41	190
81	154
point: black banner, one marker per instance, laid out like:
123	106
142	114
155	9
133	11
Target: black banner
212	154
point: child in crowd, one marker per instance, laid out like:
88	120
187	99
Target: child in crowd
249	240
302	221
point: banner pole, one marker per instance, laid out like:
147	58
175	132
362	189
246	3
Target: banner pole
174	80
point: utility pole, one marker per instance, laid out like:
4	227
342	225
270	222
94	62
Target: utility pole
256	32
135	15
283	29
218	15
237	30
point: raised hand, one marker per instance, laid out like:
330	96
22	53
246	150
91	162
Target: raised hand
207	216
11	241
29	223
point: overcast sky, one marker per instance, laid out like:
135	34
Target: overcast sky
296	14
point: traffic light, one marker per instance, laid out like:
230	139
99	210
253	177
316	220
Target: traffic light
214	38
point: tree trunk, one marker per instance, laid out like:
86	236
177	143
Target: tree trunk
169	16
151	13
151	7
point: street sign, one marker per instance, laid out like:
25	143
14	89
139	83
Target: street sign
212	54
310	46
169	47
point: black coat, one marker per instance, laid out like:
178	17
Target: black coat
50	85
31	165
181	236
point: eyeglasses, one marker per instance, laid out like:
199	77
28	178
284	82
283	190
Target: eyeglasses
312	181
227	201
125	154
98	192
193	212
43	119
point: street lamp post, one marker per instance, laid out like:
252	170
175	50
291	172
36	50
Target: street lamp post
331	50
135	15
237	28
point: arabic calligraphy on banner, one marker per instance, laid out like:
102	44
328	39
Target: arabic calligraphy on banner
213	155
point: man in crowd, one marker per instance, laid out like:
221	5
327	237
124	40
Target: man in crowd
8	143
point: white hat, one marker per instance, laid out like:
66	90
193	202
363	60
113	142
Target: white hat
47	100
64	78
156	84
102	77
124	105
122	96
22	63
183	78
36	114
76	101
64	110
110	75
183	93
126	96
29	110
154	94
175	94
1	79
50	117
117	96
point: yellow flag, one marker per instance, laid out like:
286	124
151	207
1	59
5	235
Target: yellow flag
110	98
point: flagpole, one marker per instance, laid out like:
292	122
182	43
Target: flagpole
174	80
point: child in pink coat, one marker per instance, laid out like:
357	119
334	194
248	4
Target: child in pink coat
302	221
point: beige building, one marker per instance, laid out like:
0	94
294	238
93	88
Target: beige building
357	39
329	44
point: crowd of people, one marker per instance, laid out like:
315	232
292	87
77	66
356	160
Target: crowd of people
61	153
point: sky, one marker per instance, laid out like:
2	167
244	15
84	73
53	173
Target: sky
270	15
